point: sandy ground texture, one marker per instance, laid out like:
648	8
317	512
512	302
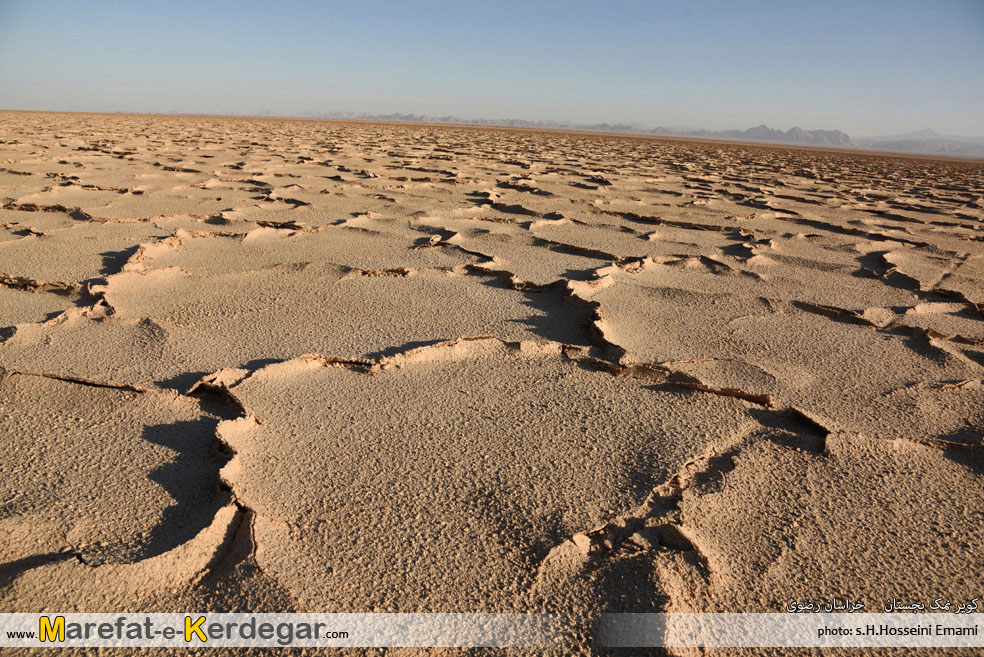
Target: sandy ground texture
279	365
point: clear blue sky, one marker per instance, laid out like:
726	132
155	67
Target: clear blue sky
863	67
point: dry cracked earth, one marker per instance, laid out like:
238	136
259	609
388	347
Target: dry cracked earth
311	366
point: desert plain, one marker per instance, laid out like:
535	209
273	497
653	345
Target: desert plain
288	365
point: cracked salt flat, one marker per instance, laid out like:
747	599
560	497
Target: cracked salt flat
690	343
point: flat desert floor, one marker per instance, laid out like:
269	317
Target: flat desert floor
278	365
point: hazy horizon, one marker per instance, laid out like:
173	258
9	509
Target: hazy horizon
874	69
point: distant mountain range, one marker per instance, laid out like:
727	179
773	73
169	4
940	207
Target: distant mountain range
922	142
763	132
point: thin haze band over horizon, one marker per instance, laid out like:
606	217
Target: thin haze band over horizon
866	68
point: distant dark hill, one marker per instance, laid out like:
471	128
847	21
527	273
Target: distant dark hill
795	135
